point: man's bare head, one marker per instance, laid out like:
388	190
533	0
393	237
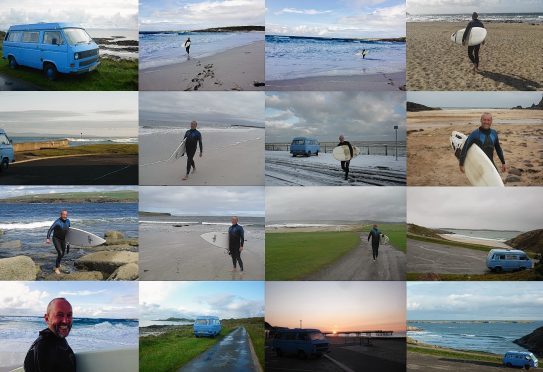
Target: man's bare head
193	124
234	220
486	120
59	316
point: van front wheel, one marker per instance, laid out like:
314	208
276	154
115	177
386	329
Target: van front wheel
4	165
526	367
12	62
50	71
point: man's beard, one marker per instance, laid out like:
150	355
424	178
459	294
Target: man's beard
57	330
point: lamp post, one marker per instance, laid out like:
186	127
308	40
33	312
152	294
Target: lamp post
396	128
300	323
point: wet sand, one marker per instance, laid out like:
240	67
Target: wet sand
240	68
510	59
374	82
431	161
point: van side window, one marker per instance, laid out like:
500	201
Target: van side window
53	38
302	337
30	37
291	336
16	36
4	140
523	258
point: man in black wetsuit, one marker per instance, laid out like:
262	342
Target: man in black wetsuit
487	139
50	352
192	138
375	236
236	238
473	51
345	164
59	228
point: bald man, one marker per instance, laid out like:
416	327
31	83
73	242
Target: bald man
487	139
345	164
50	352
236	238
193	138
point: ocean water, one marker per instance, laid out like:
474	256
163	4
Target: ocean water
18	332
492	337
165	48
116	35
29	222
485	17
290	57
486	234
147	323
78	141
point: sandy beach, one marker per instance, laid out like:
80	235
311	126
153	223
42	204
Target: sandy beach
232	156
431	161
240	68
510	59
372	82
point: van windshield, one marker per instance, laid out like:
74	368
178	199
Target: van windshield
298	142
316	336
77	36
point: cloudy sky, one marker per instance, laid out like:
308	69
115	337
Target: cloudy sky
325	115
105	14
470	6
385	204
474	301
102	114
204	107
160	15
203	201
475	99
505	208
116	300
14	191
161	300
336	306
336	18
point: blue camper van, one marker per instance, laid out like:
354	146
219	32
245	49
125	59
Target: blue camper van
6	151
52	48
522	359
305	146
207	326
508	260
304	342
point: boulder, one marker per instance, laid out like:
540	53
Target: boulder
18	268
515	171
126	272
113	235
105	261
82	275
512	179
13	244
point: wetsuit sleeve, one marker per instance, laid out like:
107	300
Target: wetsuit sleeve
499	150
350	149
186	134
200	142
68	220
38	359
50	231
369	236
469	141
241	236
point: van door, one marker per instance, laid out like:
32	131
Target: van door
55	49
6	148
30	50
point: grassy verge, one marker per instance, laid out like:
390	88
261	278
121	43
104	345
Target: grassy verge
78	197
291	256
396	232
518	275
110	75
456	354
102	149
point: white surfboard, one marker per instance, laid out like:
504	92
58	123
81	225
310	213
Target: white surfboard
476	36
219	239
82	238
342	153
384	239
477	166
120	360
179	151
187	44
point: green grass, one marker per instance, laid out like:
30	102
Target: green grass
171	350
396	232
525	275
110	75
456	354
291	256
75	197
102	149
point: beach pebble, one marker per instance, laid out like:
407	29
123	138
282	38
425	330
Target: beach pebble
515	172
126	272
512	179
83	275
18	268
106	261
13	244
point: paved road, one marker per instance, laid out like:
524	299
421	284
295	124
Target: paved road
423	257
11	83
423	362
294	364
77	170
358	265
285	172
231	354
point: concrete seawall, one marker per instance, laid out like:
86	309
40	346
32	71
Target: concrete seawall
29	146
